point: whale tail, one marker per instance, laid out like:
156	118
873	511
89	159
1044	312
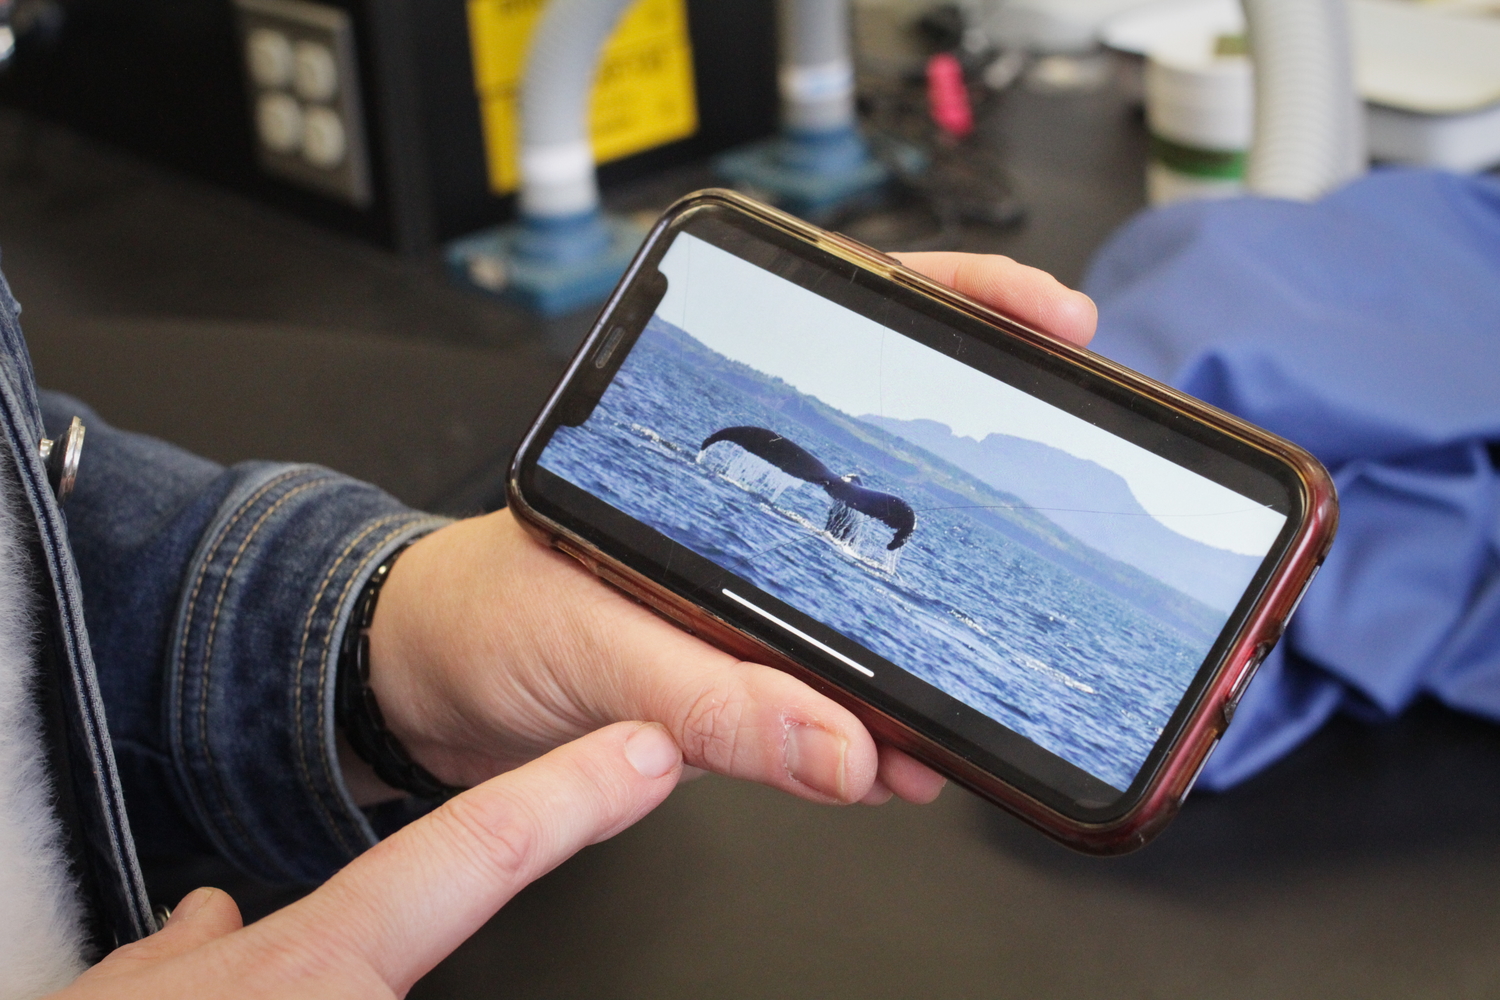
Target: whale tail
782	452
848	494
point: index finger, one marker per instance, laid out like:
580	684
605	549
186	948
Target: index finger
1034	297
402	906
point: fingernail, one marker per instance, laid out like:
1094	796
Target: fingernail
652	751
815	757
191	904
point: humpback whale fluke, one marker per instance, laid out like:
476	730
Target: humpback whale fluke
885	507
846	491
785	454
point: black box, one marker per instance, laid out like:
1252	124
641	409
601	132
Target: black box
168	79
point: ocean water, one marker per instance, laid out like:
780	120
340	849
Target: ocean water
983	618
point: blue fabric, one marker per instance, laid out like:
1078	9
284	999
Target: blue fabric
1365	327
108	872
215	600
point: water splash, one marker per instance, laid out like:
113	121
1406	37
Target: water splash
651	436
966	620
749	472
641	430
1032	663
863	538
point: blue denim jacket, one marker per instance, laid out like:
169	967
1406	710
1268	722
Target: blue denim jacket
214	601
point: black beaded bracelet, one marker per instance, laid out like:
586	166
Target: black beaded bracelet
358	713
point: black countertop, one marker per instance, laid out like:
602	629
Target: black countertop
1365	865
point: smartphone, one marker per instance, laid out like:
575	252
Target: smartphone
1044	575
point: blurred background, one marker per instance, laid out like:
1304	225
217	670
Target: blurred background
292	230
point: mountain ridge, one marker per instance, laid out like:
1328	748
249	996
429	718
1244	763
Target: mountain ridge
1090	502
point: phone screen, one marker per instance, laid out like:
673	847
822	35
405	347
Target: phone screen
934	518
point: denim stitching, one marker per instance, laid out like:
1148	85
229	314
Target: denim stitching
312	613
328	647
192	604
208	650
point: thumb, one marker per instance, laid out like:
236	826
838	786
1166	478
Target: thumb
203	915
407	902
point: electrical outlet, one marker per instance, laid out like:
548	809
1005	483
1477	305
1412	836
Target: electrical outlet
303	83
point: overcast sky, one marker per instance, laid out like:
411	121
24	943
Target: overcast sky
860	367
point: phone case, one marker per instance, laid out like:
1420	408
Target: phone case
1155	806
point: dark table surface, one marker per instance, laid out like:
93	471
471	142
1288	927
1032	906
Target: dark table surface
1365	865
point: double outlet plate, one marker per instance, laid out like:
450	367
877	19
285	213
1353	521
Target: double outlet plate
303	82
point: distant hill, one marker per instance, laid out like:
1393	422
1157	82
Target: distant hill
951	486
1070	491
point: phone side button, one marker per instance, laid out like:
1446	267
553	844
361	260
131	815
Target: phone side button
861	245
1301	594
1232	702
1188	788
635	592
567	548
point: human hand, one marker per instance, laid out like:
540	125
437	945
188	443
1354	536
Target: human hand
397	910
488	649
1031	296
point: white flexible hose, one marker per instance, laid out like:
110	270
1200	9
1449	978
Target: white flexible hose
1309	120
557	158
817	72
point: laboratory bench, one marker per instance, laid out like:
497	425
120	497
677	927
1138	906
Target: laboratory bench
1366	864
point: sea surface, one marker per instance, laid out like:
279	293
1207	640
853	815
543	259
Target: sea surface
980	616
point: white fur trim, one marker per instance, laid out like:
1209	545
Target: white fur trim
41	917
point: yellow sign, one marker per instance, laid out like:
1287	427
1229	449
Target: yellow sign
643	92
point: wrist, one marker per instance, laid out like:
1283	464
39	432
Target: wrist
364	785
362	723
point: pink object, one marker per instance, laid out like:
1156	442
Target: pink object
948	96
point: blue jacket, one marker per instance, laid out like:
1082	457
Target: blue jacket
195	613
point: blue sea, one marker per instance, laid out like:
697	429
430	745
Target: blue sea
986	619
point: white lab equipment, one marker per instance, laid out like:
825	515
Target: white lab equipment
819	161
1200	101
1432	80
1428	73
564	251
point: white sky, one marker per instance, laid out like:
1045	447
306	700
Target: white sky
860	367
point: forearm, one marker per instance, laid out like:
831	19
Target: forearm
215	600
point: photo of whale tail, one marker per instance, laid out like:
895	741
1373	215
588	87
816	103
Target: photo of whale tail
848	494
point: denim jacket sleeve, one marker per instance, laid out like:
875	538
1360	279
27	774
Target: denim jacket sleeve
215	600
